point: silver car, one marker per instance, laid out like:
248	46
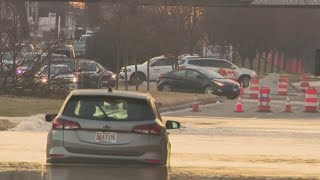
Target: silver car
101	126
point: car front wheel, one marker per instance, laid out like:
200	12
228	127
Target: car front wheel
166	88
245	81
209	90
140	78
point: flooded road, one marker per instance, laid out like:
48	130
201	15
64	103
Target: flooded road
95	172
216	144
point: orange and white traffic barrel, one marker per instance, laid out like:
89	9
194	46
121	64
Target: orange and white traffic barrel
264	100
283	86
311	100
304	84
254	89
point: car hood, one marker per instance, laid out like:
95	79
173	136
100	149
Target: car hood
227	82
62	76
247	71
132	66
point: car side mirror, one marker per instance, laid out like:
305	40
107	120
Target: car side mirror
173	125
50	117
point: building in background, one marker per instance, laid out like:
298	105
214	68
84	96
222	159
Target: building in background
52	17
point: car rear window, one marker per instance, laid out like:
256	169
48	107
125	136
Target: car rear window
109	108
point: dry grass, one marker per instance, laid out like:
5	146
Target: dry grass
27	106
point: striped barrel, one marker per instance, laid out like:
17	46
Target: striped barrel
283	86
254	89
304	85
311	100
264	100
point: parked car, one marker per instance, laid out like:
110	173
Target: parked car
32	62
157	66
103	126
242	75
60	76
85	37
80	49
93	75
6	60
67	50
198	80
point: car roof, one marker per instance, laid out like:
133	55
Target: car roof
57	65
200	58
198	69
85	60
115	93
159	57
86	34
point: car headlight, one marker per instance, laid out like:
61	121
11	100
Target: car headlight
44	80
74	80
113	76
218	83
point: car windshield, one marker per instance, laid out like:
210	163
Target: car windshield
65	52
87	66
56	70
211	74
108	108
6	56
79	46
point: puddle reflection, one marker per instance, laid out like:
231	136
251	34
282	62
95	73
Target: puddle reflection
90	172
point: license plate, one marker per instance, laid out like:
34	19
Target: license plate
106	137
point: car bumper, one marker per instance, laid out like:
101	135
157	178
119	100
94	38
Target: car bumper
122	76
107	83
61	155
227	91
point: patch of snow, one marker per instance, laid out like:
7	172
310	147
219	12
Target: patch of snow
271	81
35	123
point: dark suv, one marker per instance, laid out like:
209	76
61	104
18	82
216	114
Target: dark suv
93	75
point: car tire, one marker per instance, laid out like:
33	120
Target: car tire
166	88
232	97
245	81
141	78
208	90
166	155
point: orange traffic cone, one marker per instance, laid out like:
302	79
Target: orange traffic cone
287	108
195	104
239	105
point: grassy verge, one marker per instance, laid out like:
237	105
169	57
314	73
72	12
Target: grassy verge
27	106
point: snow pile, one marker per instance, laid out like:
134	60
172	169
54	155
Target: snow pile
32	123
270	81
